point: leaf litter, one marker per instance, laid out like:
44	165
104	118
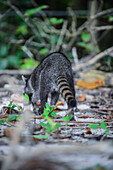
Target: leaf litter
95	107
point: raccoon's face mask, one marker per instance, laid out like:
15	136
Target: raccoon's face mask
27	88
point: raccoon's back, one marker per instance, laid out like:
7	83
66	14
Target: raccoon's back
56	59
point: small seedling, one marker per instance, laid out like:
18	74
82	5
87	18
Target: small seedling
67	118
2	122
49	125
102	124
11	105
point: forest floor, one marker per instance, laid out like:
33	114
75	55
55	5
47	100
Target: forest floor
85	143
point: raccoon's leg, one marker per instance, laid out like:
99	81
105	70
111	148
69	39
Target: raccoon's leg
43	99
54	98
34	102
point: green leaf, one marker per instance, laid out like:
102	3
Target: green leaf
11	117
30	12
18	117
48	106
42	124
110	18
13	61
58	125
85	36
3	64
1	122
93	126
3	50
90	47
46	112
12	107
53	114
56	21
10	104
29	63
52	108
46	117
26	97
41	136
19	107
82	44
67	118
106	131
43	51
103	124
22	29
70	117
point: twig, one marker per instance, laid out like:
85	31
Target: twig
18	12
100	28
94	59
15	72
3	15
63	31
102	13
75	56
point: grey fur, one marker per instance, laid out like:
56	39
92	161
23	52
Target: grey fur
43	80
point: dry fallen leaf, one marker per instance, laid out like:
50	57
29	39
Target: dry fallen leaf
58	104
88	131
17	98
91	85
8	132
82	98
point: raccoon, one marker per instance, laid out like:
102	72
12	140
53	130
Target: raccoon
52	76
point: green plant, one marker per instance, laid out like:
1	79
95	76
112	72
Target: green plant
49	125
102	125
67	118
85	43
14	116
12	106
30	12
29	63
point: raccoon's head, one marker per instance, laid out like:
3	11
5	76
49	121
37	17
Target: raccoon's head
27	88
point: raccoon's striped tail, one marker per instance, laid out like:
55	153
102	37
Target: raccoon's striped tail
66	91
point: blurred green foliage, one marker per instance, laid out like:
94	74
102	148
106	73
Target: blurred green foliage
26	38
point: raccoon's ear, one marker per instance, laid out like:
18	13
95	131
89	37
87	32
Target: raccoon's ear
24	79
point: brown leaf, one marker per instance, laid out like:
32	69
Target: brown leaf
88	131
110	116
91	85
58	105
82	98
8	132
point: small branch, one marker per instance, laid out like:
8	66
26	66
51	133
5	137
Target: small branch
100	28
75	56
63	31
94	59
3	15
16	72
18	12
102	13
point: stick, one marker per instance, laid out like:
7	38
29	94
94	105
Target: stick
94	59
